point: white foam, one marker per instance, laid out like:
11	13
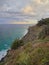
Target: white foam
24	33
3	54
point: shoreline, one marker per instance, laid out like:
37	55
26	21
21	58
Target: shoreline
6	51
3	53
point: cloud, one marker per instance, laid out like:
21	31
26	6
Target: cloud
20	10
23	22
13	5
42	1
28	10
5	7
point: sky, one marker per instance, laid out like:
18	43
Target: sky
23	11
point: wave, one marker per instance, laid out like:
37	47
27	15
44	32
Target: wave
3	54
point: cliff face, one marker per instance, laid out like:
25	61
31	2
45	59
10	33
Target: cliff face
36	32
35	50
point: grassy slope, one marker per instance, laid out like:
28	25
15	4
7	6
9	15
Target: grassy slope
33	52
29	54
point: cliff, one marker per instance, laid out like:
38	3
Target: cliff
41	30
35	47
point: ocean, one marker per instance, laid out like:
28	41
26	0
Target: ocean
8	33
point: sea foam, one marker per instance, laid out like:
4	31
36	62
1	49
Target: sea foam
3	54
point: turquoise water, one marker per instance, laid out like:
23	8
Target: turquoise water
9	32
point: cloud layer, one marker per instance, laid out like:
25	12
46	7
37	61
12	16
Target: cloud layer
21	10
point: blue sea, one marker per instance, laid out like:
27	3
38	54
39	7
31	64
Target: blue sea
8	33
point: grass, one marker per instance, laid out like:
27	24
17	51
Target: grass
30	56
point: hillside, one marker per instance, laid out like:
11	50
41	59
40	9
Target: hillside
32	49
41	30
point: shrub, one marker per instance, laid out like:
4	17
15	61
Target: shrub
17	43
43	22
45	61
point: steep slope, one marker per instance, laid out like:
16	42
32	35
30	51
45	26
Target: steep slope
36	32
35	48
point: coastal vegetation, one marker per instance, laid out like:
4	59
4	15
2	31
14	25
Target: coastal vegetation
43	22
32	49
17	43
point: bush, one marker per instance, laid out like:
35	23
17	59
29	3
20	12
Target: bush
17	43
43	22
